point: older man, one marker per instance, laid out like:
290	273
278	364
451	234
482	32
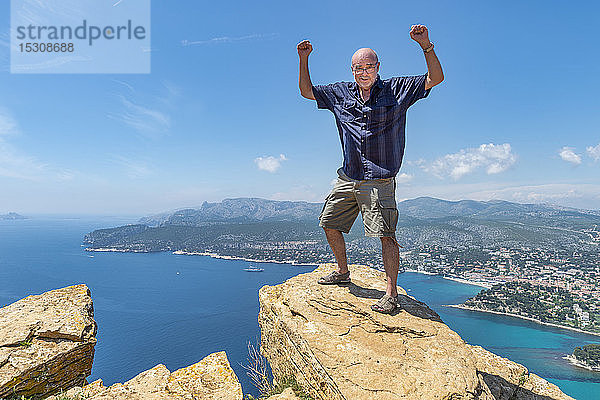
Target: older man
370	114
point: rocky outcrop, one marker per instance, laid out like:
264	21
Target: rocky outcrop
287	394
46	342
329	340
209	379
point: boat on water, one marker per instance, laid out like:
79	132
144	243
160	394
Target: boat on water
253	268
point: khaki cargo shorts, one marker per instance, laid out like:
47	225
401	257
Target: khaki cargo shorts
375	199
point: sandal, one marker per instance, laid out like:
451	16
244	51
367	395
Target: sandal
334	278
387	304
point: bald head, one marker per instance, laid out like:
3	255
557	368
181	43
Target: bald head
364	56
365	67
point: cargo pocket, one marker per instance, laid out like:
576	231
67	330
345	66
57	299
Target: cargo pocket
389	215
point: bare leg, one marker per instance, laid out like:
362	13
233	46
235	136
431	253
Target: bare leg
338	245
391	263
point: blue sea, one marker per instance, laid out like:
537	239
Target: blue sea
175	309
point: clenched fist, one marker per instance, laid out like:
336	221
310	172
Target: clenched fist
420	34
304	48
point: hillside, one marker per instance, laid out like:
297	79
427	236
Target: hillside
286	230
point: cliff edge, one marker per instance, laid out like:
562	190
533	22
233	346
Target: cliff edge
209	379
337	348
46	342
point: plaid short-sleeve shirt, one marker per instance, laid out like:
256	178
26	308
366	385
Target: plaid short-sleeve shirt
372	132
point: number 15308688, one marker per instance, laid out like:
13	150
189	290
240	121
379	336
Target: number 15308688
36	47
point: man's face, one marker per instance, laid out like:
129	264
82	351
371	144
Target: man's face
365	68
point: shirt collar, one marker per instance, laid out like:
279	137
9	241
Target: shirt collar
375	89
378	83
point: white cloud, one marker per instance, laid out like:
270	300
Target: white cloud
134	169
5	40
494	158
15	164
45	66
572	195
421	163
582	195
269	163
229	39
567	154
404	178
147	114
594	152
142	118
8	125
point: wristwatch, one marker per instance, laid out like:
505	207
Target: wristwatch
427	50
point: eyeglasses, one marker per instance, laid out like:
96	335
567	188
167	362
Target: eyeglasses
368	69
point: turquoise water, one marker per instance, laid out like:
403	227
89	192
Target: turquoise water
148	314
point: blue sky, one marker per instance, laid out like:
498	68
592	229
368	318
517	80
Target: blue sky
220	114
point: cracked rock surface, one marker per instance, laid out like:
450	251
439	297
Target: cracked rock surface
209	379
333	344
46	342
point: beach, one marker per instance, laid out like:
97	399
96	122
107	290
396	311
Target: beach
486	285
579	364
215	255
468	282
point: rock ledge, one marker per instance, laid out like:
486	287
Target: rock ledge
336	348
47	342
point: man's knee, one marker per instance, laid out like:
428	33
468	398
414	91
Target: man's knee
333	233
389	241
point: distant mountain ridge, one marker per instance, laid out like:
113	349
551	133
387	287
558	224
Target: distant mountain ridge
237	210
429	207
244	210
284	230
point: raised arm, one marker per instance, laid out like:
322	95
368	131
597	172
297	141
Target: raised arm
435	75
304	49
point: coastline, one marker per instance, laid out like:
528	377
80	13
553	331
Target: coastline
468	282
215	255
459	306
579	364
199	253
111	249
416	271
455	279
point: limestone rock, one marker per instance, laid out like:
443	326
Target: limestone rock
336	347
209	379
287	394
507	379
47	342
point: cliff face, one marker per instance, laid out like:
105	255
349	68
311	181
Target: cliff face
46	342
209	379
330	341
47	346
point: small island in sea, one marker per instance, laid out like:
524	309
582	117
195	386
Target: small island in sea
587	356
11	216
